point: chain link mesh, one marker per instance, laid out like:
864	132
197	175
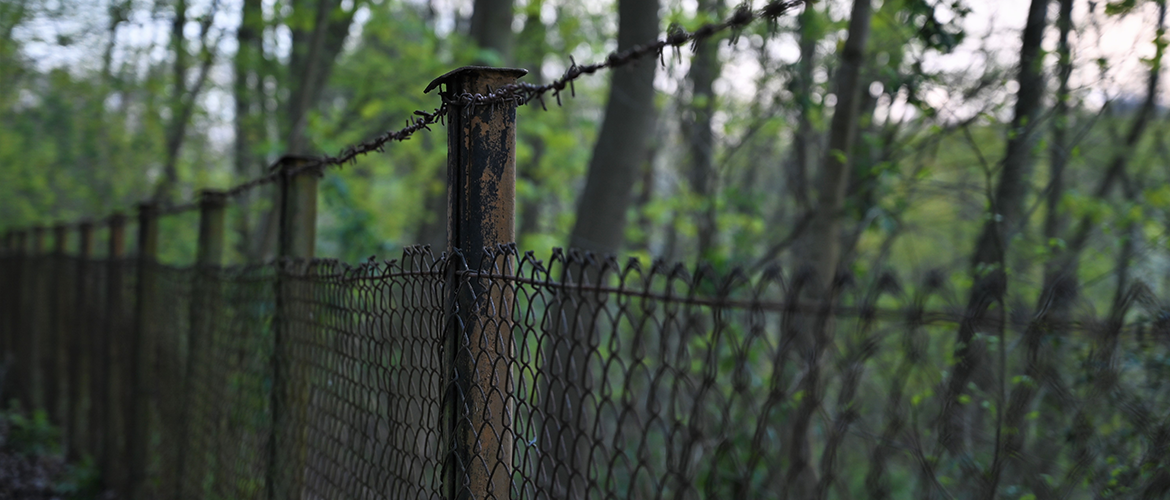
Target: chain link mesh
579	377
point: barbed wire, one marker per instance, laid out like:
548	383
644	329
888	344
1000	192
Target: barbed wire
516	94
676	37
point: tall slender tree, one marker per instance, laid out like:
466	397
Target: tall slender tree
821	245
1005	219
625	134
183	98
704	70
600	227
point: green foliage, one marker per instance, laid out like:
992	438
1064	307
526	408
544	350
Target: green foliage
81	481
31	435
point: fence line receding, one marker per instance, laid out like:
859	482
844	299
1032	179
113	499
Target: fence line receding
482	372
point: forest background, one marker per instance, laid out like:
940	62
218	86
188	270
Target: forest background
851	135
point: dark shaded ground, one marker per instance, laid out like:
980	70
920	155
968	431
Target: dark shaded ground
26	477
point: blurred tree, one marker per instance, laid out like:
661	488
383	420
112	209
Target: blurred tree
821	244
700	137
251	69
491	29
533	46
183	99
319	30
599	227
623	138
1004	221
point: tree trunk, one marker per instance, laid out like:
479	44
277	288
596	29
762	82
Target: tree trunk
1004	221
1056	221
248	132
1069	260
822	245
183	99
172	138
314	52
705	68
315	49
534	47
491	28
623	139
567	456
820	248
804	136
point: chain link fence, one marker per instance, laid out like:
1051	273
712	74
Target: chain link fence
575	377
484	373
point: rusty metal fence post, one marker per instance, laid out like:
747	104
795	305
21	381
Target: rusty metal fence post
142	350
290	391
79	354
112	373
204	315
481	197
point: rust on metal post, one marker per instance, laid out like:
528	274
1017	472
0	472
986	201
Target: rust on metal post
141	349
290	395
112	371
481	198
204	314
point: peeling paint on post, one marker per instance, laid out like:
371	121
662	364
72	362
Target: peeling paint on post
142	349
290	393
481	199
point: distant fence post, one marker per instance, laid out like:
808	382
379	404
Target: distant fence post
204	315
112	375
21	340
59	331
142	349
38	316
481	187
15	367
291	390
79	360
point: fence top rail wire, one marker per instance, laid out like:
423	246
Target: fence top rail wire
926	301
517	94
